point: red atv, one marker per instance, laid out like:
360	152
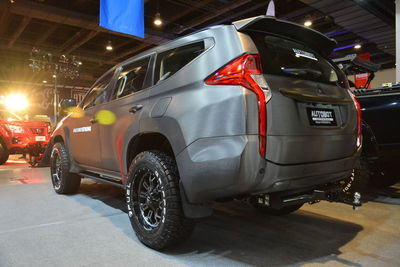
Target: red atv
18	136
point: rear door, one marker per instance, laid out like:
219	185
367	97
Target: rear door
311	116
128	102
85	143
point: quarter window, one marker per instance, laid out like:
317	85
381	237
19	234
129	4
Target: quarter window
170	61
131	78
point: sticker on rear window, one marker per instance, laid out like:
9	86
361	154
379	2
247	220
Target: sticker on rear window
301	53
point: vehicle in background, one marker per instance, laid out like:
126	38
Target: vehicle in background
249	110
18	136
381	134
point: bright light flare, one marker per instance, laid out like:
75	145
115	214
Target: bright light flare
308	23
16	102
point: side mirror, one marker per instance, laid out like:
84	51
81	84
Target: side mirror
65	104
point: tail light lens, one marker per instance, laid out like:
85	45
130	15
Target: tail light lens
358	108
246	71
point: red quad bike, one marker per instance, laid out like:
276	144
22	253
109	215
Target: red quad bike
18	136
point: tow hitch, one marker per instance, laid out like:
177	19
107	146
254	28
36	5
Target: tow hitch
281	200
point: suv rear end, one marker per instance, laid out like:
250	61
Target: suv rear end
299	122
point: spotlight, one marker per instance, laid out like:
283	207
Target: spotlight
44	81
157	19
109	46
54	76
16	102
357	46
308	23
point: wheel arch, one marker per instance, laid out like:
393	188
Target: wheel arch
147	141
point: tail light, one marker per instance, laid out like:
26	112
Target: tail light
246	71
358	108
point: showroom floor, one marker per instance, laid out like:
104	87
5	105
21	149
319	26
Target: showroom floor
41	228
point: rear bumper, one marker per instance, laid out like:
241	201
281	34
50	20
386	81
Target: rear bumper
219	167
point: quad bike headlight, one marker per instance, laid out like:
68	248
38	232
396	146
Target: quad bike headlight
15	128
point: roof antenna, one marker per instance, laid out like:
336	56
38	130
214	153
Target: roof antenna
271	9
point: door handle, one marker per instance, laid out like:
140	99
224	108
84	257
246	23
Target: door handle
135	108
93	121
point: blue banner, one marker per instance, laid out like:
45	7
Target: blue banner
125	16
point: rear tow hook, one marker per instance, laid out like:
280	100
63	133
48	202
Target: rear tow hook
356	200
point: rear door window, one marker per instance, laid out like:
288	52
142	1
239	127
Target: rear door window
286	57
131	78
171	61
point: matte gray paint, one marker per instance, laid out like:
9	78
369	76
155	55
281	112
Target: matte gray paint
213	130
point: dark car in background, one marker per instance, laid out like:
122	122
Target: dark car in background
381	134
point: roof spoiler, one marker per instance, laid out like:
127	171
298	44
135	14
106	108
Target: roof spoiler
316	40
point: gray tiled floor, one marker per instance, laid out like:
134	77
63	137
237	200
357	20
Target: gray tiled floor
41	228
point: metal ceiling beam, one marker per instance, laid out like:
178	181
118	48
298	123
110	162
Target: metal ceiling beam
71	40
130	52
21	27
241	13
201	20
46	35
4	18
84	57
67	17
197	5
374	8
86	39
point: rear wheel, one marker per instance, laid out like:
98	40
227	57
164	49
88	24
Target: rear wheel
153	200
4	154
277	212
63	181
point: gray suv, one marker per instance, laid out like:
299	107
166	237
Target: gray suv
253	110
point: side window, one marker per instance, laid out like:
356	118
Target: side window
98	93
131	78
169	62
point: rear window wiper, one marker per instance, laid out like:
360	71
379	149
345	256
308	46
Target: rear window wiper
296	71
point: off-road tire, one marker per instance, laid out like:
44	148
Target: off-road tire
65	182
4	153
172	226
277	212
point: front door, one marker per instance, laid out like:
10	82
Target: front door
85	137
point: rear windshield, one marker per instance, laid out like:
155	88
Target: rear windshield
285	57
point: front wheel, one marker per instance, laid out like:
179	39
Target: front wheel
64	182
154	202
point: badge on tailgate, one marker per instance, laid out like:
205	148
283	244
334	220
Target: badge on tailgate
321	117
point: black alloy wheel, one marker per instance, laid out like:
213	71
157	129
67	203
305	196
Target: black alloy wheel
63	181
151	199
154	202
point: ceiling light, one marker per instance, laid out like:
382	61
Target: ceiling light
157	19
357	46
44	81
109	46
54	76
308	23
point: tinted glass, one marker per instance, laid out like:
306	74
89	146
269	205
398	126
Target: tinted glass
281	56
98	94
169	62
131	78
